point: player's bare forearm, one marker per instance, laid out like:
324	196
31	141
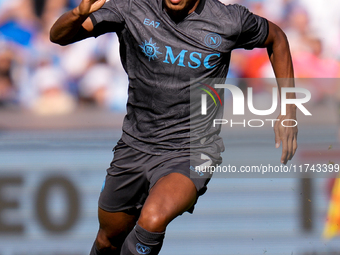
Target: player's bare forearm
75	25
67	28
281	60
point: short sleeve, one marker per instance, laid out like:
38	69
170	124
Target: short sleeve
254	29
107	19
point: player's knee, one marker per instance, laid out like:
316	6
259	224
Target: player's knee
154	220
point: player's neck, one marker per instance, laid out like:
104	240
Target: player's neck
178	15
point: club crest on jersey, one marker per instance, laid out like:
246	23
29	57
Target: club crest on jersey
150	49
213	40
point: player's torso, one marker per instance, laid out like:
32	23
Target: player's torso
162	53
162	58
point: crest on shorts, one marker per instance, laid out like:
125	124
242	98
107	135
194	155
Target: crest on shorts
142	249
150	49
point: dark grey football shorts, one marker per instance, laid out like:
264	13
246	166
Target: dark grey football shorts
133	173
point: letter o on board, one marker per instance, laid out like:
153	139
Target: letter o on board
42	202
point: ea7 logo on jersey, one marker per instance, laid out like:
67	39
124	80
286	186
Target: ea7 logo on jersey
151	23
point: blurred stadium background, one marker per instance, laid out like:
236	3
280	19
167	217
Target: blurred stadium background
61	110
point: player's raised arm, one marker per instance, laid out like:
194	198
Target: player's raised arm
280	57
75	25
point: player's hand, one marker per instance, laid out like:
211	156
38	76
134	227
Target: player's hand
286	135
86	7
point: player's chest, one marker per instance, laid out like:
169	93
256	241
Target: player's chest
158	41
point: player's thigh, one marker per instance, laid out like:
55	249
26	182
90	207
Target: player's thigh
115	226
172	195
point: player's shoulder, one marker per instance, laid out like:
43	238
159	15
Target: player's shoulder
133	5
138	2
227	10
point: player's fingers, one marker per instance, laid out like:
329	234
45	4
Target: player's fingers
292	143
295	144
94	1
290	147
97	4
284	150
277	136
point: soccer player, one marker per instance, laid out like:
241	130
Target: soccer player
167	47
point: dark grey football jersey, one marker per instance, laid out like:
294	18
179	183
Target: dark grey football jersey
164	60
